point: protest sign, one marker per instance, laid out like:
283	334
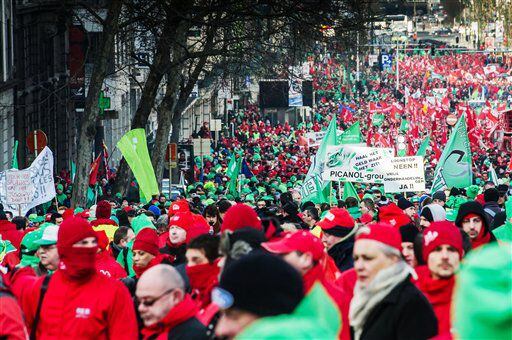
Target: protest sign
40	176
355	163
18	187
404	174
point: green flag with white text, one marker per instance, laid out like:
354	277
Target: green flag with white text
454	167
313	183
134	148
352	135
233	178
350	191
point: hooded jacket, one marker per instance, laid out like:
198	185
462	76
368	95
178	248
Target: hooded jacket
99	308
341	253
473	207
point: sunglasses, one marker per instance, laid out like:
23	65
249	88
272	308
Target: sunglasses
149	303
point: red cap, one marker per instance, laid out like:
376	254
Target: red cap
336	217
393	215
383	233
302	241
240	216
440	233
199	227
182	219
147	240
179	206
48	217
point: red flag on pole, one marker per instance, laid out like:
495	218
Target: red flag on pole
93	174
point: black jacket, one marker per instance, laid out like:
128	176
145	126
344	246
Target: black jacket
177	252
191	329
404	314
341	253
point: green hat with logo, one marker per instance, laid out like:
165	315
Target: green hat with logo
34	218
49	236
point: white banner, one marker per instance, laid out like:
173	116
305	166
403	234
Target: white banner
19	189
356	163
314	138
40	175
404	174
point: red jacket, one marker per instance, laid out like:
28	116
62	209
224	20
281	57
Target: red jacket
12	325
106	265
8	232
100	308
439	294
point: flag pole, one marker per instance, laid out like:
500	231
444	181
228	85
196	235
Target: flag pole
330	193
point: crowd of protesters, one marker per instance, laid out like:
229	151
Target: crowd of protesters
257	260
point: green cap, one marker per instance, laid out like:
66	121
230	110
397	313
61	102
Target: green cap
29	242
140	222
491	282
34	218
249	198
6	247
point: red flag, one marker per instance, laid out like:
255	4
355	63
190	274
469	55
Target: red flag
302	141
105	161
93	174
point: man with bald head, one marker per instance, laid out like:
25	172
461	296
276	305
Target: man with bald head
166	310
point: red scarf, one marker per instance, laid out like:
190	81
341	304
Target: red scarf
481	239
77	263
156	260
203	278
180	313
439	294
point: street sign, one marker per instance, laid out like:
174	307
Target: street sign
215	125
36	141
202	146
451	119
386	61
171	155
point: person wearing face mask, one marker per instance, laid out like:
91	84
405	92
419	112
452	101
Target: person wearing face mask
442	251
77	301
386	305
202	267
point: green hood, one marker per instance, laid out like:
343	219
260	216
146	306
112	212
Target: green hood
485	274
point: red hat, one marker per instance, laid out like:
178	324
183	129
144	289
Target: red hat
182	219
302	241
240	216
393	215
383	233
179	206
147	240
103	209
440	233
102	239
199	227
67	214
48	217
337	222
72	230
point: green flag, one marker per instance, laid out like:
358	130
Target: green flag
378	119
350	191
316	317
134	148
492	174
404	125
454	167
14	164
233	179
352	135
313	181
73	171
423	147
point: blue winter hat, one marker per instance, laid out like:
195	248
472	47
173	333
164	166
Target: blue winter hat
155	210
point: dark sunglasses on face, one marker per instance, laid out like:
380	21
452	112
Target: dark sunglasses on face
149	303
